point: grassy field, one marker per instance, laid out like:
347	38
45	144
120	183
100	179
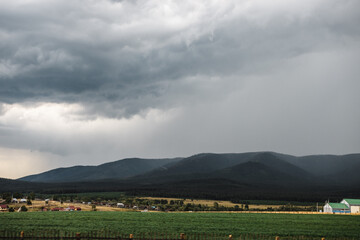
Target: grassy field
209	223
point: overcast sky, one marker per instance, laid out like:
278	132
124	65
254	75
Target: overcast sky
92	81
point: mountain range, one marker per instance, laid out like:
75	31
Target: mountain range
235	175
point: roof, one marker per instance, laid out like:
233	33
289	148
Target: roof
352	201
339	205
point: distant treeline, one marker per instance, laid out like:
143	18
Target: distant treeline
210	189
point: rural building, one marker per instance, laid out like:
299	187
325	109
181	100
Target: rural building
23	200
14	200
353	204
120	205
336	208
4	207
70	208
56	209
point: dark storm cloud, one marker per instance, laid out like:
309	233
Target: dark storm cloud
128	55
90	81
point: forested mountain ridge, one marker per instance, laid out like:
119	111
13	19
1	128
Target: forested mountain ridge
253	175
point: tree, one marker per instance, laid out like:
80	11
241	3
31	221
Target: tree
6	195
17	195
8	199
28	202
31	196
11	209
93	207
24	208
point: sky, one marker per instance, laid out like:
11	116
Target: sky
85	82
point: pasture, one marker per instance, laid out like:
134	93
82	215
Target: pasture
222	224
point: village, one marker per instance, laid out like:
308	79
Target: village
44	205
30	203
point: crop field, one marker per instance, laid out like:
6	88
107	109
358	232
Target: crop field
330	226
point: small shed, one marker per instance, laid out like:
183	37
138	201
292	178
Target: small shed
353	204
336	208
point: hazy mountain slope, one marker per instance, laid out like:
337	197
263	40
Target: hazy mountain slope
116	170
322	165
262	167
199	164
278	163
349	176
259	173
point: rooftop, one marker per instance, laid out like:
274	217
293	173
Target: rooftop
352	201
339	205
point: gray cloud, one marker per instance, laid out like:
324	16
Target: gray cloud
154	78
125	51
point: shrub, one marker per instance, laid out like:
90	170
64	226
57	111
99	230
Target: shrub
24	208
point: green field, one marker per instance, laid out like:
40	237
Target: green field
210	223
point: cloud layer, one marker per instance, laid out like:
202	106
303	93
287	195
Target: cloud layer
94	81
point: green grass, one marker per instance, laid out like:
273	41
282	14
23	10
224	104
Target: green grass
210	223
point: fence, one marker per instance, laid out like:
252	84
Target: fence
106	235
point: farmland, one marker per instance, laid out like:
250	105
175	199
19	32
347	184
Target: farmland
174	223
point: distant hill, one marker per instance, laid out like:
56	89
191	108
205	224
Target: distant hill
253	175
114	170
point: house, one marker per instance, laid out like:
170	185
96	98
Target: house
23	200
56	209
353	204
4	207
336	208
120	205
70	208
14	200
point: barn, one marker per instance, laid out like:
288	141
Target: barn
336	208
353	204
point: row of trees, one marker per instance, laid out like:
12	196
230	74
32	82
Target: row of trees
7	196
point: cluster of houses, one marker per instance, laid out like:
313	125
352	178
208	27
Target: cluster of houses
70	208
347	205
